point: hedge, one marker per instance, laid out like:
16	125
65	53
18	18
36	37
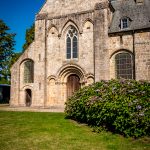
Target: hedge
120	106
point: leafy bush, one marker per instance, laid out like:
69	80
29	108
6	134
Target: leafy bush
120	106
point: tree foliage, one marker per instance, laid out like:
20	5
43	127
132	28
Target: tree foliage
14	58
6	51
29	37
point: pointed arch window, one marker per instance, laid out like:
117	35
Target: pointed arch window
124	65
72	43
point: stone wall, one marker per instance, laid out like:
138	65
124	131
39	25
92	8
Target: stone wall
142	55
101	52
36	53
96	52
138	44
56	52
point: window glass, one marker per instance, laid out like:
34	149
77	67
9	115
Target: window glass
72	43
28	71
68	48
124	23
124	66
75	47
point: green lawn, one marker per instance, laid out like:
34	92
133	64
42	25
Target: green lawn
50	131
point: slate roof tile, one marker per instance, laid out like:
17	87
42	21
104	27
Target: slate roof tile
139	15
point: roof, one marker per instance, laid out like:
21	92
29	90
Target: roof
139	15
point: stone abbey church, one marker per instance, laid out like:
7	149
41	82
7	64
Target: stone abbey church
79	42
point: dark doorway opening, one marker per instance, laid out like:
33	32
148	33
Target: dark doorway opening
4	93
73	85
28	97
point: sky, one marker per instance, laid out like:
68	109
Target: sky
19	15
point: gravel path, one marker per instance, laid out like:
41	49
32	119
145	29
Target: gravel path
6	107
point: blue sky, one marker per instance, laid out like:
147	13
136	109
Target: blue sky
19	15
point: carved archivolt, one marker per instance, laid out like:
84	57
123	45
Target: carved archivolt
70	69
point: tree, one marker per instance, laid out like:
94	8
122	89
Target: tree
14	58
29	37
6	52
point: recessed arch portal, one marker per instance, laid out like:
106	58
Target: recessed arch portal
72	78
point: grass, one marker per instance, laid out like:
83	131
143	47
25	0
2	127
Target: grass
50	131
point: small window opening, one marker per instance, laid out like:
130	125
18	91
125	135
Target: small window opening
124	23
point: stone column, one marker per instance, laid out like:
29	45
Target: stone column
100	41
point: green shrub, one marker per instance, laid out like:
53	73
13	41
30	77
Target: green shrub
120	106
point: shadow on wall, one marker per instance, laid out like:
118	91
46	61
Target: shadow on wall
4	93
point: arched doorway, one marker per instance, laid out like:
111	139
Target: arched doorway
28	97
73	85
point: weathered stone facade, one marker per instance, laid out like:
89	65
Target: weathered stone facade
100	39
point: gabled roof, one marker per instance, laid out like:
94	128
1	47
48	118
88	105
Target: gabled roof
139	15
63	7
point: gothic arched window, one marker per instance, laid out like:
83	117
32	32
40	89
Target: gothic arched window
28	71
124	65
72	43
